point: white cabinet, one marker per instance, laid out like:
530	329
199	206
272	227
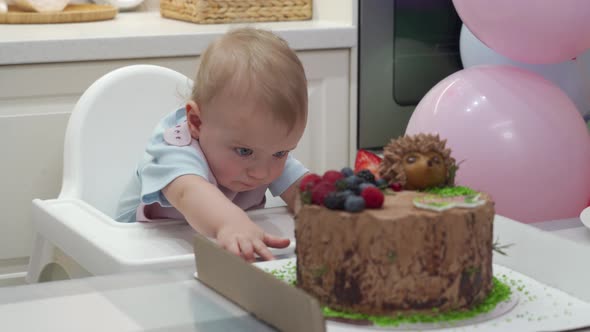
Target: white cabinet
325	143
36	101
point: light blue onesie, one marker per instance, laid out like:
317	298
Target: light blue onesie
172	152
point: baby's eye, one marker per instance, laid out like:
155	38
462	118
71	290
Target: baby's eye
243	152
281	154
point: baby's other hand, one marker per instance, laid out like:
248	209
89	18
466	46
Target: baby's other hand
247	239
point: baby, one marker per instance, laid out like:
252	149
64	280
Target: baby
215	158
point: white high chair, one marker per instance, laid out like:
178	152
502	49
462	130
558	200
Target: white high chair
76	234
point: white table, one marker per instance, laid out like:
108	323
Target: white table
149	301
571	229
171	301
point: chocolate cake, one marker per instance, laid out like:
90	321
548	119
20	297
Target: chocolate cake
395	259
413	251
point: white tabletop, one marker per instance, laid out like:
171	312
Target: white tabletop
572	229
149	301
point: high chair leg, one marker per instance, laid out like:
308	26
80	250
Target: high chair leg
42	255
49	263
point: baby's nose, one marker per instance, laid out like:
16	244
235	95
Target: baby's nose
259	172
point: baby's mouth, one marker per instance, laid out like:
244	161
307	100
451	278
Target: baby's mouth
249	186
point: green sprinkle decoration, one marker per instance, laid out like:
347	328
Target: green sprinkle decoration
287	273
320	271
306	197
391	256
500	292
471	271
452	191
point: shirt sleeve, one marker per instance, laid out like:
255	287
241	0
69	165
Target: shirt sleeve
293	171
164	162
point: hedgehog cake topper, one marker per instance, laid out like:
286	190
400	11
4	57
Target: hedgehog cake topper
418	162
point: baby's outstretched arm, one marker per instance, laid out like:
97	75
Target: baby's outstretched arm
210	213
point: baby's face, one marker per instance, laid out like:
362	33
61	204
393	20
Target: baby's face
244	146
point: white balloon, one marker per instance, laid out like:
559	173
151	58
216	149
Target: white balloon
573	76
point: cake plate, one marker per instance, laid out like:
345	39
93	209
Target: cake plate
532	306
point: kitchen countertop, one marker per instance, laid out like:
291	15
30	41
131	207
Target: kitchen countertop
147	35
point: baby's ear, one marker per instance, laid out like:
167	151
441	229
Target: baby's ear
193	118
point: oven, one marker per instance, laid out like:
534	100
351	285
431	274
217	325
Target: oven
405	48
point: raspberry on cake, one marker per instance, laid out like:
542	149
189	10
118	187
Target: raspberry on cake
309	181
423	246
373	197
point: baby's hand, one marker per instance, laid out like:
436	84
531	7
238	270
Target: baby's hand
246	239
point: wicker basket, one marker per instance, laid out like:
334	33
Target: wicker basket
229	11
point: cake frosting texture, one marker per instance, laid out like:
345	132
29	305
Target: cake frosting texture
395	259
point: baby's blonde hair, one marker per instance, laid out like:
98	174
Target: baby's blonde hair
251	63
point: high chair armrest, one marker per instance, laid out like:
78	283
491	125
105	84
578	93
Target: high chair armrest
103	246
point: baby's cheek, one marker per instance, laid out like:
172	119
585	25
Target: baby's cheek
278	170
233	168
227	168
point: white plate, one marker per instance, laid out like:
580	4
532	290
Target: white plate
585	217
533	307
501	309
279	262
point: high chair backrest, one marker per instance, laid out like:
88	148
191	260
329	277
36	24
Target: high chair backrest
110	127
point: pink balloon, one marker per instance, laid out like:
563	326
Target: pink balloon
522	139
530	31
